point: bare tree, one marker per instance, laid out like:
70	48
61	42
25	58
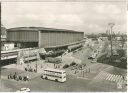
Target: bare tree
110	35
123	40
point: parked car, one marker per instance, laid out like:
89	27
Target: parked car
65	66
93	61
90	58
22	90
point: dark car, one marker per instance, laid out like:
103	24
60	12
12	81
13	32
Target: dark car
90	58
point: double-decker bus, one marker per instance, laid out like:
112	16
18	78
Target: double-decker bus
54	74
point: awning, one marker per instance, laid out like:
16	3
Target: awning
74	46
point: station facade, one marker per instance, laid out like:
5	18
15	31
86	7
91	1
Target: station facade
25	37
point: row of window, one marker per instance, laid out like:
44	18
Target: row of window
30	56
53	76
54	71
9	54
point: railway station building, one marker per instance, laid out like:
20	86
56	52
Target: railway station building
26	37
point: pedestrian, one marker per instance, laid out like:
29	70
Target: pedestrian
83	73
25	69
14	76
34	70
75	72
41	66
11	76
27	78
89	70
86	70
8	76
20	78
123	77
27	65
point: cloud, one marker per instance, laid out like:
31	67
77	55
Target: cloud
105	9
81	16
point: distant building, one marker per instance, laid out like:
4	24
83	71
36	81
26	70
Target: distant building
4	44
3	33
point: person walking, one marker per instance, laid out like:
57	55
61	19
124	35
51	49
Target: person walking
75	71
41	66
9	76
27	78
14	76
89	70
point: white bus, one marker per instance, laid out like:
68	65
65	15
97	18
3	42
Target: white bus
54	74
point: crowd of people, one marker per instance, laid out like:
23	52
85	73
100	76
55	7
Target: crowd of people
17	77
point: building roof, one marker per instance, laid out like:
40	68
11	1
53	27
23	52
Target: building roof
55	70
40	29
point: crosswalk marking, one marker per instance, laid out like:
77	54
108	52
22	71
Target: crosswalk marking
110	77
101	77
105	75
114	79
97	77
118	77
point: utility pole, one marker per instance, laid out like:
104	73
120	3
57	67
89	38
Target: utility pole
111	38
0	70
38	59
36	66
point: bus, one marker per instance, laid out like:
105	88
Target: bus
54	74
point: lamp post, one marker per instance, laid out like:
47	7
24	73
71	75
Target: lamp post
111	25
38	59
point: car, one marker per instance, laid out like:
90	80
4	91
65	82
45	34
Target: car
23	90
93	61
90	58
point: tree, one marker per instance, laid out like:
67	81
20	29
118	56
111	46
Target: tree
110	35
123	40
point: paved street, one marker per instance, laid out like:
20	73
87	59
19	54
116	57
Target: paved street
72	84
102	77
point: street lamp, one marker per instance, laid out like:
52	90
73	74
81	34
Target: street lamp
38	59
111	25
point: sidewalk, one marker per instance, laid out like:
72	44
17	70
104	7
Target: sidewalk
3	88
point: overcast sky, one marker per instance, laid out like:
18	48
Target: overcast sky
89	17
